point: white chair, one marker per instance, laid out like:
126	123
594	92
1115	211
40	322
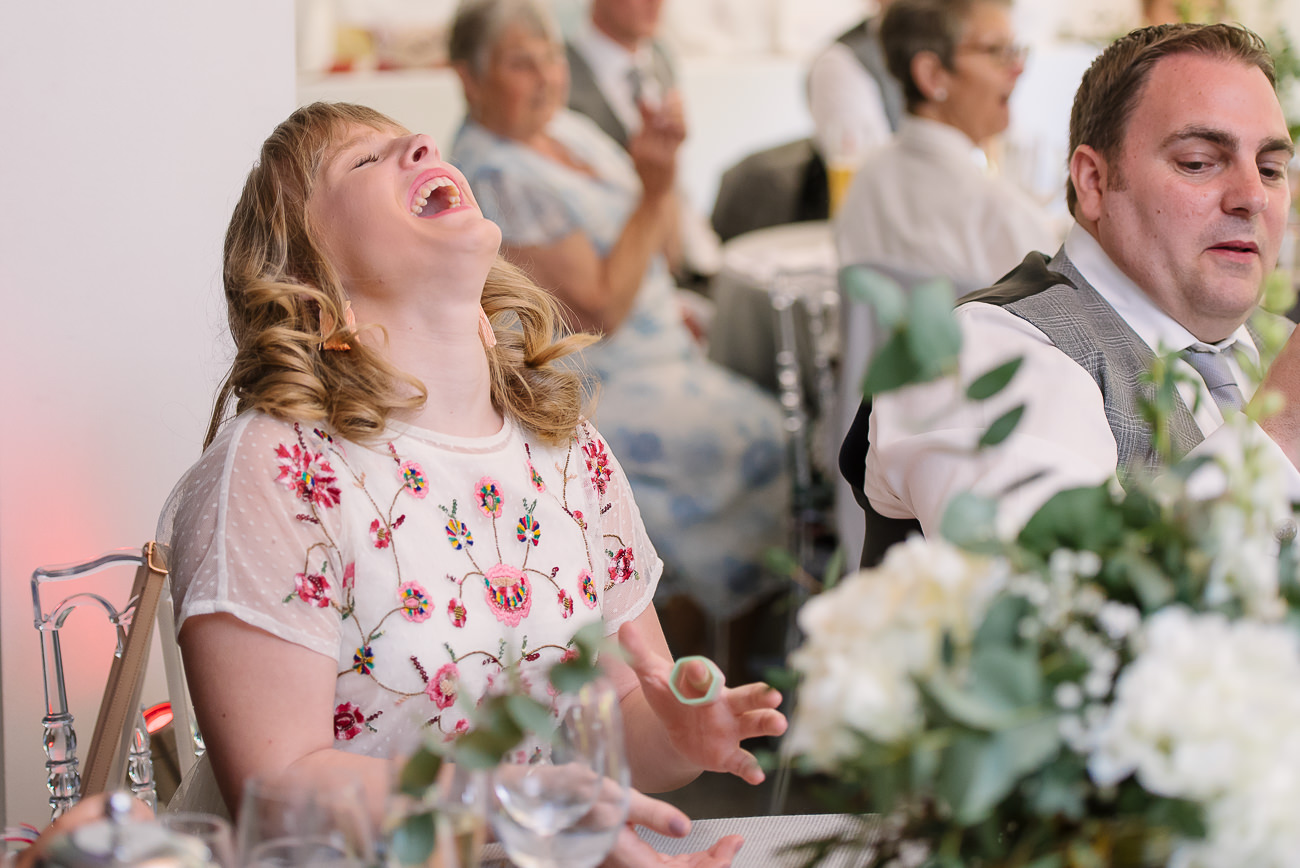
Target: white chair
119	748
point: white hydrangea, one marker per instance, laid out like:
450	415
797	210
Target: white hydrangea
870	635
1210	711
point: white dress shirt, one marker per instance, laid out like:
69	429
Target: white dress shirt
612	66
926	203
923	438
847	109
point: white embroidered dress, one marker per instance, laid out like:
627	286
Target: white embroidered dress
428	565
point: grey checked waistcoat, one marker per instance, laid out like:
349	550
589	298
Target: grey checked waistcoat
1055	298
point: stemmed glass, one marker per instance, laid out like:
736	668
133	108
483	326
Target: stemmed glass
212	830
568	808
287	821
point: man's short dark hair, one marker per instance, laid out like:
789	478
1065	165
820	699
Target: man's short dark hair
1114	83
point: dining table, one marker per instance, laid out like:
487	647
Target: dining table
770	842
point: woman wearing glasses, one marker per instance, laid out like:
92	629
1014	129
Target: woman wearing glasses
927	203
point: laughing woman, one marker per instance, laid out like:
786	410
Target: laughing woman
408	505
589	221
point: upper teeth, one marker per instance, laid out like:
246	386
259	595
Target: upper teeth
422	195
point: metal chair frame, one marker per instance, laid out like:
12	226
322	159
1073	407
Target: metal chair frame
64	778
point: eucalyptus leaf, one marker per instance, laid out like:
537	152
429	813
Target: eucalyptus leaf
967	708
413	841
530	715
1001	626
1080	519
1185	818
1007	677
892	367
419	772
932	334
1002	427
571	675
878	291
970	522
980	770
990	383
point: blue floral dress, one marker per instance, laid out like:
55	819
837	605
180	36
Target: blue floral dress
703	448
431	567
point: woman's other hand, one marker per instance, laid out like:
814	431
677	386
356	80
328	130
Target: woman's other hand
708	735
631	852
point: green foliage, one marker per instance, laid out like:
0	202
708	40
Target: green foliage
923	338
987	385
1002	427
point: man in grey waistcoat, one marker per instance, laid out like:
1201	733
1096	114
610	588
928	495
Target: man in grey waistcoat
1178	186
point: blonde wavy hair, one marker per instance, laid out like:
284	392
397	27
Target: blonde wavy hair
280	287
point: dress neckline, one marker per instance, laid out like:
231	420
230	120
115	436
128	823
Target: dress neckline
453	443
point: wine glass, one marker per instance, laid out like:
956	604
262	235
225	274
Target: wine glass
291	821
568	808
213	831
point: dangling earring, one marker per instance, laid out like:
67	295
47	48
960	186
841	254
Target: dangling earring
327	328
485	329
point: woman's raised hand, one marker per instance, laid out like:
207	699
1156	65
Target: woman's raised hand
708	734
654	148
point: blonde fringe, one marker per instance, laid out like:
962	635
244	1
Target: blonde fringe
277	283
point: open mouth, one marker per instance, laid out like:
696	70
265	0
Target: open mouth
434	196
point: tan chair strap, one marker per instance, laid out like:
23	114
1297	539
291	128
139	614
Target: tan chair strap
106	758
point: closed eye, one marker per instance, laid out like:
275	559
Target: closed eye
369	158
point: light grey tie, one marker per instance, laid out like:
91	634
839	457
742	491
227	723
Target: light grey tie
636	80
1212	365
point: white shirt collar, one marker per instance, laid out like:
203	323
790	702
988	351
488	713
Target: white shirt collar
1155	327
610	64
943	140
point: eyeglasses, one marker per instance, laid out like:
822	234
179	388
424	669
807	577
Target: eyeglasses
1006	53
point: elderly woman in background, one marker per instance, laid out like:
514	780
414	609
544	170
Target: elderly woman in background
926	203
590	222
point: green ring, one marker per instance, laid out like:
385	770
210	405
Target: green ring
715	683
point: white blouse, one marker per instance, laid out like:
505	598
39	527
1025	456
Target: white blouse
432	567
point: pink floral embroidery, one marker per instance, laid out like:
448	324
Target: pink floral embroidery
414	480
489	497
508	593
538	482
348	721
621	569
456	612
415	602
577	516
598	464
308	475
566	604
461	727
350	576
382	535
444	686
588	588
312	588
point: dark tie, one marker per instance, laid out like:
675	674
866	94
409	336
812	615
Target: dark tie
1212	365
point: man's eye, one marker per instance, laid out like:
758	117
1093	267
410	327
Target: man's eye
369	158
1194	165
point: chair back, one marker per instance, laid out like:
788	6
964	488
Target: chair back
861	336
119	747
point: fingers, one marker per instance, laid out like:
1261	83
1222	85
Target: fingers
750	697
726	849
757	724
697	678
641	658
659	816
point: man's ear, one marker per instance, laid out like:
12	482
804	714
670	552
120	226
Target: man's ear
1089	172
930	75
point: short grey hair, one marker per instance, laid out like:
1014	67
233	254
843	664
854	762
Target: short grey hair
478	25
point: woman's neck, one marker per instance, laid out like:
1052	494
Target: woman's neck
443	350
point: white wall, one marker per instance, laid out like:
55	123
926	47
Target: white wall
127	129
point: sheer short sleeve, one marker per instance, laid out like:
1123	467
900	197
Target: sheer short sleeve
632	566
251	526
529	211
